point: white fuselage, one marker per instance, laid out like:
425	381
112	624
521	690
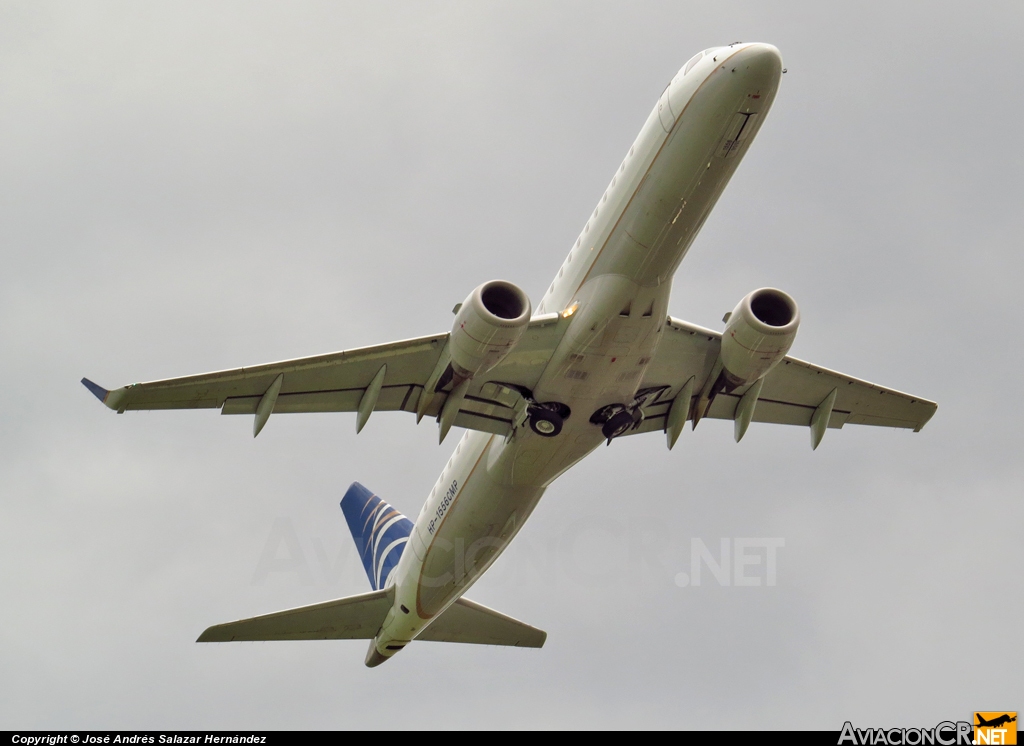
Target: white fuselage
615	282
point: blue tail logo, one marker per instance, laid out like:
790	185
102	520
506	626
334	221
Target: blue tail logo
380	532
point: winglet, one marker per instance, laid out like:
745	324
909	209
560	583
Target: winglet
112	399
98	391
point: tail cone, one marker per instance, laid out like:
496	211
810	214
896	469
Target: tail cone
373	656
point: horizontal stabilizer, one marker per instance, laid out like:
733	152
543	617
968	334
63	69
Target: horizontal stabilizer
352	618
466	621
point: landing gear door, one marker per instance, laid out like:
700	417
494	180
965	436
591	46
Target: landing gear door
740	127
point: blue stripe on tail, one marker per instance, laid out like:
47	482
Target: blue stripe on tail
380	532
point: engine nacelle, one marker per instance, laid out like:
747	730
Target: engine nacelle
489	324
757	336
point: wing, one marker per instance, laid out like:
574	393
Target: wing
386	377
324	383
790	395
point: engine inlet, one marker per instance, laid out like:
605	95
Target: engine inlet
772	307
504	300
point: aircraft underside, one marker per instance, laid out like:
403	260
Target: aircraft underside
539	389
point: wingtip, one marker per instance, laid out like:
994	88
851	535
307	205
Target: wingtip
210	634
115	399
98	391
931	413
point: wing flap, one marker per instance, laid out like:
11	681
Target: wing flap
485	423
469	622
391	398
352	618
772	410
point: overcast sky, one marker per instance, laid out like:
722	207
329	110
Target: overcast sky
188	187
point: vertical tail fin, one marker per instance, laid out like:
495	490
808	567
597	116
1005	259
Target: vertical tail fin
380	532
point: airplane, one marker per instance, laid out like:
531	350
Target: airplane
537	390
994	722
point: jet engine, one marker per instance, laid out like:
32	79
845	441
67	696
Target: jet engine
758	334
487	326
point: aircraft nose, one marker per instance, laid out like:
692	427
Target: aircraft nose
763	60
755	67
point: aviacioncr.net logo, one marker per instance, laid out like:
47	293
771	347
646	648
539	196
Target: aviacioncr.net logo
946	733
